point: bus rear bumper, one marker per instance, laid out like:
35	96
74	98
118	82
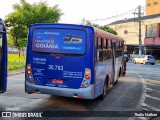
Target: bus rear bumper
84	93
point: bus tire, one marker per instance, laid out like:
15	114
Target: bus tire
124	73
120	72
105	89
116	82
118	76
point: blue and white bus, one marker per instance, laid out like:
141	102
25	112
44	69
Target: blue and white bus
3	57
72	60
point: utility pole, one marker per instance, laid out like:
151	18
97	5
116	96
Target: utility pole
140	30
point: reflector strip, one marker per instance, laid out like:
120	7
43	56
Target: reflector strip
80	97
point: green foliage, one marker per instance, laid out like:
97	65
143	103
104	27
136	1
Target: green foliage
25	14
92	24
22	42
10	40
14	62
110	30
105	28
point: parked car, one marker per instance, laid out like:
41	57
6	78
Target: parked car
144	59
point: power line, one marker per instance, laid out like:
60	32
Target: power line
122	14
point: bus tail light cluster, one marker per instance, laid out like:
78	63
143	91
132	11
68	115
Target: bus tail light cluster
29	73
86	79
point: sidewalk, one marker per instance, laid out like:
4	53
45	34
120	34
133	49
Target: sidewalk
12	72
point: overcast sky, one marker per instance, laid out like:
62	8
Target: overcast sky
75	10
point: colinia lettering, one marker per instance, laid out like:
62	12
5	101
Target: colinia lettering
47	46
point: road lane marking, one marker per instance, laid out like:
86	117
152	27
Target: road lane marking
143	118
150	108
153	84
143	87
149	74
155	98
142	98
152	90
151	78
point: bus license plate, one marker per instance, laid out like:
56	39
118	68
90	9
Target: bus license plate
54	81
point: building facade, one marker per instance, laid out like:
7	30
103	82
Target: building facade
152	7
150	30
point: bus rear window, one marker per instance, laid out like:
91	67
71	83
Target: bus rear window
59	41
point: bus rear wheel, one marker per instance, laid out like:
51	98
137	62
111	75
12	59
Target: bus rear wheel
105	89
118	77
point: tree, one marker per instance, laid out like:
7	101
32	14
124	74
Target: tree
10	40
25	14
105	28
21	44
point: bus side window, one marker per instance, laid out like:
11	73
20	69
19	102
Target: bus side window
99	45
109	43
105	56
117	53
98	42
106	43
99	49
104	49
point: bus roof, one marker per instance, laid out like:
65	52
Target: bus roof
96	30
60	25
108	35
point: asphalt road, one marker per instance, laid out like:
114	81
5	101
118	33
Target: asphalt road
138	90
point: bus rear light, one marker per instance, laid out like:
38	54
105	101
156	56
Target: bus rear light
32	81
80	97
74	96
82	85
87	72
34	91
87	77
86	82
28	67
57	57
29	72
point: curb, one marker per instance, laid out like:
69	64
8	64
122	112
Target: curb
18	71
